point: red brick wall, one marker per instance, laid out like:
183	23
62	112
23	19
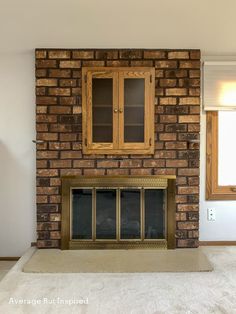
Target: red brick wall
58	123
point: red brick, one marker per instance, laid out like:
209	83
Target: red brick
83	54
67	82
188	189
107	163
59	91
117	172
188	172
188	207
60	110
154	163
47	172
40	54
46	63
165	171
189	64
178	55
107	54
167	82
189	101
187	225
141	172
40	72
176	91
41	199
176	145
195	54
189	119
55	217
166	64
167	137
141	63
168	118
168	101
47	136
94	172
177	163
55	235
154	54
70	154
165	154
70	64
47	243
59	146
93	63
83	163
130	54
68	137
130	163
47	190
117	63
55	199
55	182
44	154
43	100
59	73
60	164
59	54
70	172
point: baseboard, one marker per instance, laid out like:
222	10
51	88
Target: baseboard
33	243
10	258
217	243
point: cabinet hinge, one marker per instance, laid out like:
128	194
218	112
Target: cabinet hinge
150	141
86	142
150	78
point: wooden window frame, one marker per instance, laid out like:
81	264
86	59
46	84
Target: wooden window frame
214	191
118	146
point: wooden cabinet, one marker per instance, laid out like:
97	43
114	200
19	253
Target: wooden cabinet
118	110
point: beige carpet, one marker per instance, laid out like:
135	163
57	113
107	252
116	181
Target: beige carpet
117	261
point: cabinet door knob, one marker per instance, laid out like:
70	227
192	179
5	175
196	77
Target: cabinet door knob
115	110
233	189
120	111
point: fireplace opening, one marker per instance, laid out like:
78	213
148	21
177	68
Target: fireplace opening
118	212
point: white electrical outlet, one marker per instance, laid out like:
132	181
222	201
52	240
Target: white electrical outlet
211	214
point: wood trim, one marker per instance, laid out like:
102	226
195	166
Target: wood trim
213	190
118	146
217	243
10	258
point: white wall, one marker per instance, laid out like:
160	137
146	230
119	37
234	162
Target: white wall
26	24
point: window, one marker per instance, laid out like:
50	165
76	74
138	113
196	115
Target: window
221	155
118	110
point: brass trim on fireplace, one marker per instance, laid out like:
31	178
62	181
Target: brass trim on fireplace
118	182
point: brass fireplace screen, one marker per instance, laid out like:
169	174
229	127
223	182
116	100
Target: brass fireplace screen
118	212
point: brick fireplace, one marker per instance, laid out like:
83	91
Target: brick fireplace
59	127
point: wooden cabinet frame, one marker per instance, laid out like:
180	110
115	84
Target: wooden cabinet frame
214	191
118	146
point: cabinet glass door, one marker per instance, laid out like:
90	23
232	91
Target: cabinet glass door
102	110
134	110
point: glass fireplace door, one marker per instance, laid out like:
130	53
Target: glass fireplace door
118	214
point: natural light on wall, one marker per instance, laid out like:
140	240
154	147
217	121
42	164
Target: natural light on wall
219	85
